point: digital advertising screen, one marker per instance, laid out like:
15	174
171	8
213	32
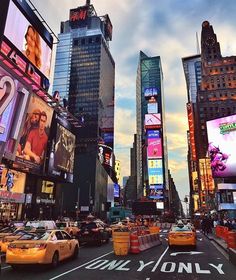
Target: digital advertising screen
153	134
154	149
116	190
24	35
61	150
155	193
221	145
33	142
152	120
150	91
155	171
105	155
12	185
14	98
152	108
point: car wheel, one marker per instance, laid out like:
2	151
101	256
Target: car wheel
55	259
76	252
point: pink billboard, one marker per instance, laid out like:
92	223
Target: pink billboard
221	146
154	149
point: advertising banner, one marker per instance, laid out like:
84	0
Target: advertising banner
61	151
14	98
191	130
105	155
195	181
116	190
155	193
152	108
26	38
34	137
154	149
152	120
153	134
155	171
221	145
150	91
207	182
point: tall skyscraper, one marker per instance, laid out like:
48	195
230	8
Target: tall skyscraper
152	171
84	76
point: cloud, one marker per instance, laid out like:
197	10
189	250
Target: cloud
165	28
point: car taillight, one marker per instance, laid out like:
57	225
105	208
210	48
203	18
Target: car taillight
172	235
11	246
95	229
40	246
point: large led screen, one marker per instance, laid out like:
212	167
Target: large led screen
27	39
154	149
151	91
14	98
155	193
34	137
116	190
221	146
64	149
152	120
105	155
155	171
61	151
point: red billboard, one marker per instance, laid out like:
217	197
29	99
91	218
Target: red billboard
191	130
152	120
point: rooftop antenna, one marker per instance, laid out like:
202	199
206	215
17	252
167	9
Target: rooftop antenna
198	46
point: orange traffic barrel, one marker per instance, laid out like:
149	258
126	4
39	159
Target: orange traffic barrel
134	243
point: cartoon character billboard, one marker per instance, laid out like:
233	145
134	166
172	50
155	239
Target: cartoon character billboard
221	146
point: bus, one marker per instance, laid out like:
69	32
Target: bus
119	213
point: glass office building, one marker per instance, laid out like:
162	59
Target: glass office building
84	76
151	157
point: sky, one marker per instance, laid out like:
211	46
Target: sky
165	28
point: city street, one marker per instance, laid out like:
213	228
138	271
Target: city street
95	263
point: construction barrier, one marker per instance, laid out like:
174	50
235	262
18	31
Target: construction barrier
121	242
149	240
134	243
225	233
231	239
154	229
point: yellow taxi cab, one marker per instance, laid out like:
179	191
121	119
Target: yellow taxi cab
4	242
48	247
69	227
181	235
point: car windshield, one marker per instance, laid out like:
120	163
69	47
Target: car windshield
5	230
184	228
34	236
88	226
60	225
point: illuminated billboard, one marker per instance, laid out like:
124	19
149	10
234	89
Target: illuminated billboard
152	108
153	134
61	150
155	171
116	190
207	182
221	145
105	155
151	91
33	142
191	130
152	120
154	149
24	35
14	98
12	185
155	193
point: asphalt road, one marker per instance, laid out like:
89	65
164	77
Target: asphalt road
160	262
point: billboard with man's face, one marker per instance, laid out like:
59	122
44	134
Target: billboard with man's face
34	136
221	145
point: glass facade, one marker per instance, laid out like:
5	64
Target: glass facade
84	76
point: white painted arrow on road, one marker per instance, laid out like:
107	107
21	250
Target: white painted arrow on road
188	253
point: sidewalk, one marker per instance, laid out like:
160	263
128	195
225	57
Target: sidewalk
224	246
218	241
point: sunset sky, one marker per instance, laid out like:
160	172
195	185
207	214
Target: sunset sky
165	28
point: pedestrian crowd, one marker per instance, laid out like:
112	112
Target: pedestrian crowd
208	224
